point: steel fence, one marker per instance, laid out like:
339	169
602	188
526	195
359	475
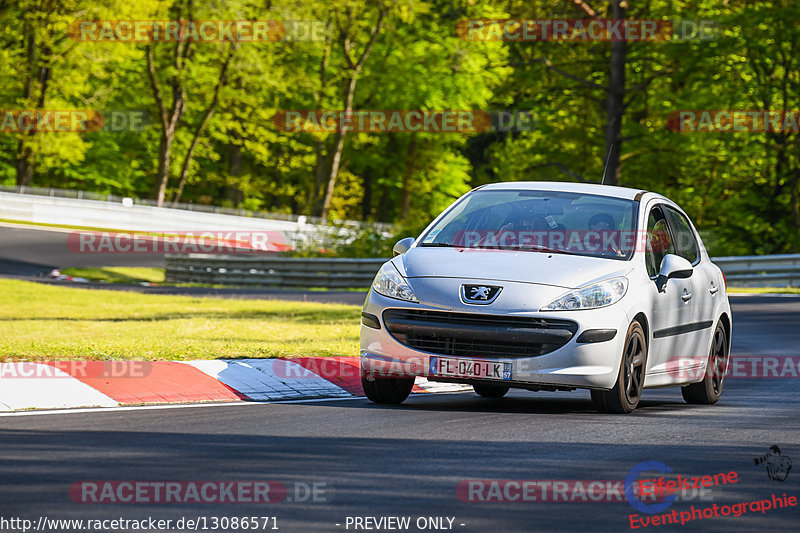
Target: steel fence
261	269
277	270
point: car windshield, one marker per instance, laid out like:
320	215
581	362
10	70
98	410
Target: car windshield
543	221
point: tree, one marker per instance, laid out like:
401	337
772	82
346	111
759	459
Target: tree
181	72
347	28
44	65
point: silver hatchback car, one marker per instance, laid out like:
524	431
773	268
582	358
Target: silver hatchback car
550	286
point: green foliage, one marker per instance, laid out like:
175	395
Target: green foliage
742	189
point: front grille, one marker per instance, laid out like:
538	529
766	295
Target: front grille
477	335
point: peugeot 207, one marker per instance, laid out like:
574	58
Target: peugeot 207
550	286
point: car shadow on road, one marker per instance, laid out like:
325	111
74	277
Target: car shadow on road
560	403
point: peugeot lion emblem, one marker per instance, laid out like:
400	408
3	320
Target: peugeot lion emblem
479	294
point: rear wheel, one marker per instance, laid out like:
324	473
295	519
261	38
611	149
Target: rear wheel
627	392
490	391
385	389
709	390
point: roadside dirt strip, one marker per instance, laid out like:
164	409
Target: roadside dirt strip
72	384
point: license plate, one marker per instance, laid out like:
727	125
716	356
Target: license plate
469	368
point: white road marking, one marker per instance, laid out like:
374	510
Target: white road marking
41	386
39	412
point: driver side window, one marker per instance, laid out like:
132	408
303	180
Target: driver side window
659	241
684	236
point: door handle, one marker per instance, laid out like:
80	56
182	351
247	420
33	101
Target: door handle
713	289
686	296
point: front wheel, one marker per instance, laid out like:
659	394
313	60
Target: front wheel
709	390
627	392
385	389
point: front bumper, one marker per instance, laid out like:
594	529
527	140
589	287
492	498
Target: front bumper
593	364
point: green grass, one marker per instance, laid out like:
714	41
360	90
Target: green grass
88	228
39	321
765	290
156	275
117	274
63	226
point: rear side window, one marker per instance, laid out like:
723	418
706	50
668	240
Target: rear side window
685	242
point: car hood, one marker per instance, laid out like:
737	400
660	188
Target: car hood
559	270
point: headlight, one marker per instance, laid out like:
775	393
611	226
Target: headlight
590	297
390	283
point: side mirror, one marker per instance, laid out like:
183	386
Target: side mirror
673	266
403	245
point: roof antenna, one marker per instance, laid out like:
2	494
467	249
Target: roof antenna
608	158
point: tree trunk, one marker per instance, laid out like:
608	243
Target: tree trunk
26	156
409	173
355	69
234	156
319	178
385	207
25	159
202	126
366	199
169	120
614	103
338	147
164	157
313	206
796	198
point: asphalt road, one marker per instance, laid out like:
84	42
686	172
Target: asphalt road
408	460
28	251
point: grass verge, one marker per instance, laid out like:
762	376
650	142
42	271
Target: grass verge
64	226
117	274
46	322
764	290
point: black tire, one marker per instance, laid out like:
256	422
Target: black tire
627	392
490	391
709	390
381	389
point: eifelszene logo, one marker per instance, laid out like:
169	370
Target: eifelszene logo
630	488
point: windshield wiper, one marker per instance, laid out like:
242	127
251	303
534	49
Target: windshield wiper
439	244
545	249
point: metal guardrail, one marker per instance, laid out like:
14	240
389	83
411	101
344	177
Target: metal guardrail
198	208
761	270
87	195
260	269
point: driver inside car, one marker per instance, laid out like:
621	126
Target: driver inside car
604	224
